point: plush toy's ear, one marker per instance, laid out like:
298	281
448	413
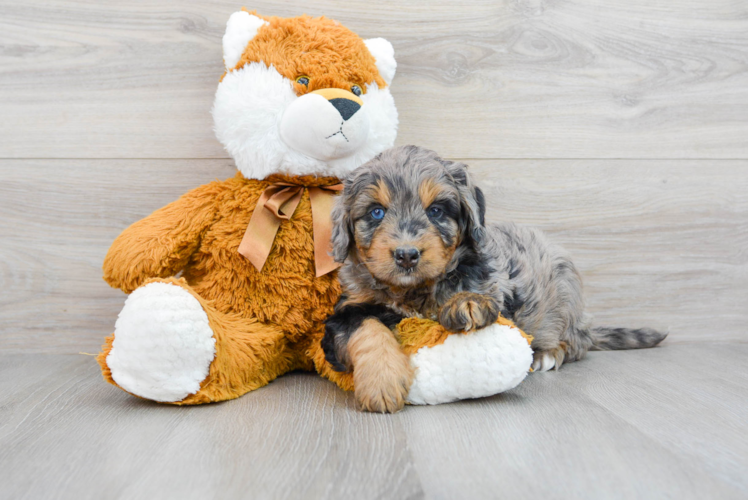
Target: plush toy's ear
240	29
384	55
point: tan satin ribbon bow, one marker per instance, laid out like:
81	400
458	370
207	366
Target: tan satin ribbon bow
277	203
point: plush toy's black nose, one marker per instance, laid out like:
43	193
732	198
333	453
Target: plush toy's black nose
407	257
345	107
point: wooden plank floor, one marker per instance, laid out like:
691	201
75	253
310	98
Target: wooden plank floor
618	127
669	422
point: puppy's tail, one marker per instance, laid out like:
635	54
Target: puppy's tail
613	339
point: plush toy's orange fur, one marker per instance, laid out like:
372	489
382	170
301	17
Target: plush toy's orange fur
266	323
302	46
415	333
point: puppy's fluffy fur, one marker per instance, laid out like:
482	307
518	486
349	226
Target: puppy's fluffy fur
410	227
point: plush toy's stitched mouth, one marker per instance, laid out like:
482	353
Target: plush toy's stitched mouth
339	132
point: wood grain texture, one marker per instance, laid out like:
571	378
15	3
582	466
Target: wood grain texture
669	422
495	79
659	243
635	424
66	434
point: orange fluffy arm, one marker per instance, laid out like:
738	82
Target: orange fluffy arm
162	243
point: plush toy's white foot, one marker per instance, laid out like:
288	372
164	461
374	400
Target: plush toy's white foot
163	344
472	365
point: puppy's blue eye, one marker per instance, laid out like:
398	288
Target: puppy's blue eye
356	90
377	214
435	212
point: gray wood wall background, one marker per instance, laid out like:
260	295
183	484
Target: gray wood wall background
619	127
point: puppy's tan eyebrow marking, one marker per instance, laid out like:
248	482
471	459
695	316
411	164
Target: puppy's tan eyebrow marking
428	191
380	193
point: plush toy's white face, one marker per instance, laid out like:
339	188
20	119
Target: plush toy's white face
292	104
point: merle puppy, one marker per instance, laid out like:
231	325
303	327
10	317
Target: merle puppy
410	227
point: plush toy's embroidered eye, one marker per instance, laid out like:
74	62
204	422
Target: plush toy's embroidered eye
304	80
435	212
377	213
356	90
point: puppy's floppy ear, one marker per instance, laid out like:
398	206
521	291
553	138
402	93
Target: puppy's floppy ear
472	201
342	227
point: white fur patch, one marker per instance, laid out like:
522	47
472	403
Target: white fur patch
240	29
384	55
163	344
473	365
312	126
248	111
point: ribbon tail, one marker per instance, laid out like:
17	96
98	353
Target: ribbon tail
322	201
265	222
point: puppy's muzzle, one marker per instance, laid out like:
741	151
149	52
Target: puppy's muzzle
407	257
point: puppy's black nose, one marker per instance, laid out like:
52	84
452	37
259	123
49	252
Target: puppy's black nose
407	257
346	107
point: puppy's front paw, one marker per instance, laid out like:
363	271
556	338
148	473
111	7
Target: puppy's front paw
382	389
382	374
467	311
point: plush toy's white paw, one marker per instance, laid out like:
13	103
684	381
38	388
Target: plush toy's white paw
163	344
472	365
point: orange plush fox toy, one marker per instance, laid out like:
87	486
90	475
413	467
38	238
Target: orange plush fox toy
303	102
